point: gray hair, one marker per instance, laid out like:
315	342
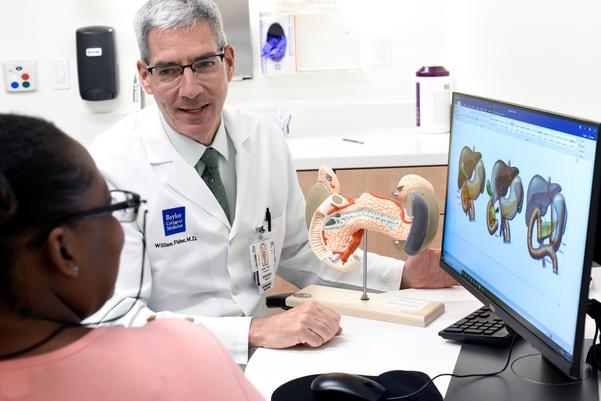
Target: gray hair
176	14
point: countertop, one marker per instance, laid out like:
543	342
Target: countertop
389	148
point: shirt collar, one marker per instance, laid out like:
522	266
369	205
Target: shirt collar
190	150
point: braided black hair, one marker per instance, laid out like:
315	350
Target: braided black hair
41	178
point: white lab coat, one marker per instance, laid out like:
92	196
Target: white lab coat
205	271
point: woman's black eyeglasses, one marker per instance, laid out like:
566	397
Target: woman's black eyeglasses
124	207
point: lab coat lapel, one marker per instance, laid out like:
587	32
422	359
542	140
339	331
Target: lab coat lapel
239	136
184	179
174	172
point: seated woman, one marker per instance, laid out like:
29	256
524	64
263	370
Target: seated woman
59	253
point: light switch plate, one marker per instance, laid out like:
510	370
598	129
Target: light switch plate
382	49
59	70
20	76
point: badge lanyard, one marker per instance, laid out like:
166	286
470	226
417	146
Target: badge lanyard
263	255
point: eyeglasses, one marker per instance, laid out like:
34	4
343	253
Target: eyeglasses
124	207
202	68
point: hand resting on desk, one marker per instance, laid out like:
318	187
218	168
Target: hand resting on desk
313	325
310	324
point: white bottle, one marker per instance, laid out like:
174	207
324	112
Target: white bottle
432	91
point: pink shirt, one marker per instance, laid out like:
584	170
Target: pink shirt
165	360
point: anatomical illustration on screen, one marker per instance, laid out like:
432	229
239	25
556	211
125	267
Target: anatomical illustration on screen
470	179
337	223
546	218
506	198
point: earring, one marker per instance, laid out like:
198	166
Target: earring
75	270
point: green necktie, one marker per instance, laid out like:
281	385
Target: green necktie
211	177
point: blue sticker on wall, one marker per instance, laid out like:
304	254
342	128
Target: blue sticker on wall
174	220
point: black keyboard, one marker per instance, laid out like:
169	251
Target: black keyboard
480	326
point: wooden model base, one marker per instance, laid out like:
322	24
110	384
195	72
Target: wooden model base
387	306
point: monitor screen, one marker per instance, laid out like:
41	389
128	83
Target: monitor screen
517	232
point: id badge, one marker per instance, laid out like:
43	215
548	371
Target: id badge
263	261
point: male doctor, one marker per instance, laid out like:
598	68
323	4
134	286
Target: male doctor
219	183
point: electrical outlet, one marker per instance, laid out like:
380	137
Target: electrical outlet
382	51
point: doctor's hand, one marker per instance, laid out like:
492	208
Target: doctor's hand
423	271
310	324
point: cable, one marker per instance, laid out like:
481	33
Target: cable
36	345
422	388
137	297
593	345
594	311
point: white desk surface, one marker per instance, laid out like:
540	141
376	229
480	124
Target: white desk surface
372	347
387	148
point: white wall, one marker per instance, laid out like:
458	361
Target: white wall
372	97
542	54
538	53
41	31
415	29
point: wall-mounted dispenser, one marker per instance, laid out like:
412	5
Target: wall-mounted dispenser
277	44
96	62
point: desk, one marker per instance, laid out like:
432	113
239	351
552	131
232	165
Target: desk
371	347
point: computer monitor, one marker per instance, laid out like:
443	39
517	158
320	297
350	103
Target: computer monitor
520	219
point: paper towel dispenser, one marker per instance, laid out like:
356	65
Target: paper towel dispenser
96	62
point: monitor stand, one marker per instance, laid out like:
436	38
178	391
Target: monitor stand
528	376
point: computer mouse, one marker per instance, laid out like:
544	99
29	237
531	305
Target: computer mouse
346	386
